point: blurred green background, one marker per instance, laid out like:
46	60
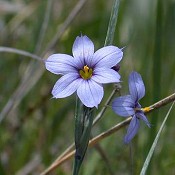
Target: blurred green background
35	129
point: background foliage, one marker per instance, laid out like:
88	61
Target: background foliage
35	128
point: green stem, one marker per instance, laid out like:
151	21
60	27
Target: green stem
83	125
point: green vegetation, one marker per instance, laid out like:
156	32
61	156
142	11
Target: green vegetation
36	129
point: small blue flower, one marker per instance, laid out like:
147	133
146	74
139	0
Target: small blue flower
129	105
85	71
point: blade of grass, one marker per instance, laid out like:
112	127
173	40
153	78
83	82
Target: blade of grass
157	55
20	52
152	149
112	23
44	26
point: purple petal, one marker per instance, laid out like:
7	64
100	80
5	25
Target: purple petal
66	85
132	129
105	75
107	56
136	86
90	93
144	118
83	49
60	64
123	106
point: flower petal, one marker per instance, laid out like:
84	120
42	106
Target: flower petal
83	49
132	129
90	93
136	86
60	64
66	85
123	106
144	118
107	56
105	75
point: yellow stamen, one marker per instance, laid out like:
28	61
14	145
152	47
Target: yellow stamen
86	68
86	73
146	109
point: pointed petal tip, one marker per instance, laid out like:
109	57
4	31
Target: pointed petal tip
52	97
144	118
96	106
123	48
126	140
148	124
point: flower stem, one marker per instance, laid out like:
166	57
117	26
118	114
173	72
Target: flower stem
83	125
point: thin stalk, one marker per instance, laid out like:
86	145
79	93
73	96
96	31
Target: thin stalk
157	63
44	26
112	23
20	52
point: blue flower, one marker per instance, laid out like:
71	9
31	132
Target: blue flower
129	105
85	71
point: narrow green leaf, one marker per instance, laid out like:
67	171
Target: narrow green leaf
83	125
112	23
78	120
157	65
151	151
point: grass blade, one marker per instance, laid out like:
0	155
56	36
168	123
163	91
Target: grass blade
151	151
112	23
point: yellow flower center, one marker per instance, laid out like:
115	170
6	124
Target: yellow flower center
86	73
